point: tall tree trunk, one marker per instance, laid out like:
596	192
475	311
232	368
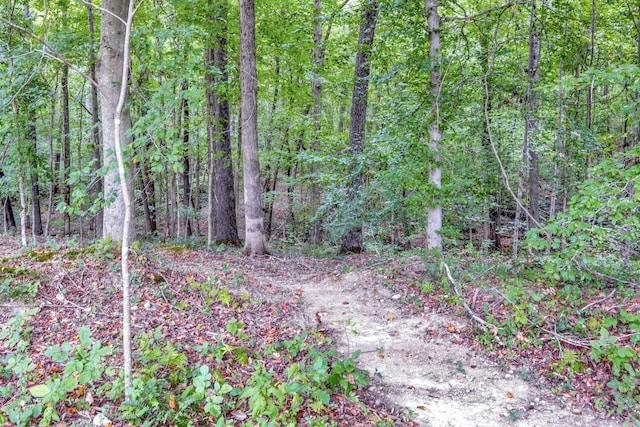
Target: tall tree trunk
186	167
95	121
109	73
226	228
434	214
316	112
254	221
531	124
36	215
66	150
353	240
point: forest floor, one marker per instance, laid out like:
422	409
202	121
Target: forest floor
422	355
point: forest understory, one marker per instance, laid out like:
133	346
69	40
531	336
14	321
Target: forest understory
223	339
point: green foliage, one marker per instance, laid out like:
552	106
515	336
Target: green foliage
168	390
84	367
597	239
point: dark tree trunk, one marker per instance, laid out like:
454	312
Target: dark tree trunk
186	171
226	229
9	217
66	149
353	240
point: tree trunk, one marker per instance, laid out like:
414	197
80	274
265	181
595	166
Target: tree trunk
531	125
186	167
254	221
226	228
353	240
66	150
109	73
434	215
9	217
36	215
95	121
316	111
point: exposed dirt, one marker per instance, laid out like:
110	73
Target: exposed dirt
420	360
425	360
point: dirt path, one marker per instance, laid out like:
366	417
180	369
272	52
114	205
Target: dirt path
420	361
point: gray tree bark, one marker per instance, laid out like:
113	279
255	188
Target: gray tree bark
434	214
109	73
254	221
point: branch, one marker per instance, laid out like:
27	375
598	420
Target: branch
466	18
597	302
602	276
487	327
503	172
57	55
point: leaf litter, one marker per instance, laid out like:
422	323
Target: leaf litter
426	367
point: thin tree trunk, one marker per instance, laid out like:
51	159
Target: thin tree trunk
434	214
116	35
95	122
316	112
353	240
66	150
254	221
36	215
186	167
531	124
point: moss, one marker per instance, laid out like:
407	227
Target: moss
40	255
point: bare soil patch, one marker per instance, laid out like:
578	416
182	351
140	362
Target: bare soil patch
424	360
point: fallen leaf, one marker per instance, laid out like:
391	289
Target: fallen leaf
172	402
509	395
238	415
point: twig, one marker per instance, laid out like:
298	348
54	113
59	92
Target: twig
605	277
597	302
487	327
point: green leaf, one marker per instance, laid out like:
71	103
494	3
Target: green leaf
85	336
40	390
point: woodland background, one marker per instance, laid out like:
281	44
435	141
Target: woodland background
499	130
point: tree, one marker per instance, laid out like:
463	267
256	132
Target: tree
434	215
113	75
222	198
109	73
254	221
353	240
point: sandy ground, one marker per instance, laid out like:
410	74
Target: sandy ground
419	361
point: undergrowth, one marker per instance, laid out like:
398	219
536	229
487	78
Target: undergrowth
301	383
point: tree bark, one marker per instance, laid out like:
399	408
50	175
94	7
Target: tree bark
9	217
36	215
186	167
531	124
316	111
66	150
254	221
353	240
224	196
95	121
434	214
109	73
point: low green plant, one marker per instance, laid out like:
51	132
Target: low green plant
84	366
